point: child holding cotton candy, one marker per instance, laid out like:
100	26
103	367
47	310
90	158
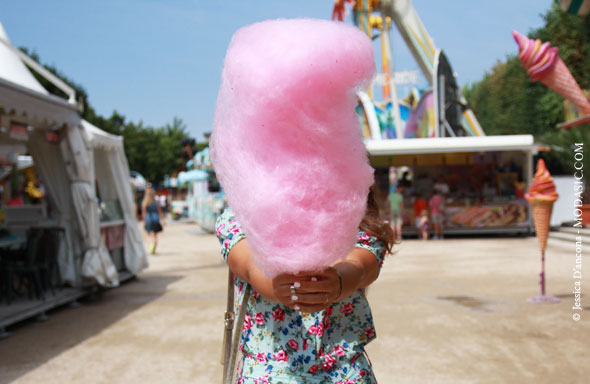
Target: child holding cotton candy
304	231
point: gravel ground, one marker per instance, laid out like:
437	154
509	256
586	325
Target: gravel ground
449	311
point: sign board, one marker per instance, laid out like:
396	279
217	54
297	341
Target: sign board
406	77
18	131
399	78
52	137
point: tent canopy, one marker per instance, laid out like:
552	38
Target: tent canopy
113	183
97	138
23	97
14	69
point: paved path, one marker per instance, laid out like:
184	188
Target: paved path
451	311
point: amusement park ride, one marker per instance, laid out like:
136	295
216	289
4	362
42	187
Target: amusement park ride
441	111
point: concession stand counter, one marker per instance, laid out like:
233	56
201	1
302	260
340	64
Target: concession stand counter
483	179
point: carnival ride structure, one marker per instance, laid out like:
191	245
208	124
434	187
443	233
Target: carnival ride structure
440	111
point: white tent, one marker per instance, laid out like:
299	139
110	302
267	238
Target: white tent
25	97
113	183
67	168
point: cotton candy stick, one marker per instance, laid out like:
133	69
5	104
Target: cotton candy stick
286	145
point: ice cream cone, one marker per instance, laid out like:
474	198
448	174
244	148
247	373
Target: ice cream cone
562	81
541	211
541	196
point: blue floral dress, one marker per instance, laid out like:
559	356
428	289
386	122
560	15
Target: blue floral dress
282	346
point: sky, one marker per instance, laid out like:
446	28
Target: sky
152	60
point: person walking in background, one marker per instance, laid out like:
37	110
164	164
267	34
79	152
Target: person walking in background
396	207
151	212
419	205
437	206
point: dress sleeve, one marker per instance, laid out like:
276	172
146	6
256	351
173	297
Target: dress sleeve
373	245
229	231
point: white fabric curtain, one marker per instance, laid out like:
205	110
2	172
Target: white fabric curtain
50	165
135	255
103	173
113	179
79	164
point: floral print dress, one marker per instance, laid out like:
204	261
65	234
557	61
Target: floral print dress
281	346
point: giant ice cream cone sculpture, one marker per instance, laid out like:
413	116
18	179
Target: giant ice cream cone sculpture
543	64
541	197
541	211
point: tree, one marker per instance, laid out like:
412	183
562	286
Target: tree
506	101
154	152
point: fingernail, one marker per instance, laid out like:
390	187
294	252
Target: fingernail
294	298
297	307
297	284
314	279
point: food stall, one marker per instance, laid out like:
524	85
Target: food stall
205	197
60	195
485	177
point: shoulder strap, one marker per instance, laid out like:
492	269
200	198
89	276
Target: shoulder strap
238	333
228	320
230	343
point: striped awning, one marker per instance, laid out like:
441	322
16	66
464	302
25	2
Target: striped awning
578	7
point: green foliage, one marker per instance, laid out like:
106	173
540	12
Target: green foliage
153	152
80	91
506	101
571	33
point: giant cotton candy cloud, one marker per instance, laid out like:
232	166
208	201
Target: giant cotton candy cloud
286	145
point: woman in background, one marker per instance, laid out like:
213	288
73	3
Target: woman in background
151	213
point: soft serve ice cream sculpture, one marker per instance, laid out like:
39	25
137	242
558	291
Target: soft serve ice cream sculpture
541	197
542	188
286	145
543	63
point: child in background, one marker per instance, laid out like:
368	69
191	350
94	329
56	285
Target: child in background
437	206
424	224
419	205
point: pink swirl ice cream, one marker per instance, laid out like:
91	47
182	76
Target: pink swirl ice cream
543	64
538	58
542	188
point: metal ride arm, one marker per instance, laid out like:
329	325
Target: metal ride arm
409	25
417	39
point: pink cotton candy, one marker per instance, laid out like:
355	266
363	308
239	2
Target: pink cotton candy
286	145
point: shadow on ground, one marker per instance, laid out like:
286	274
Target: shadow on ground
68	326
